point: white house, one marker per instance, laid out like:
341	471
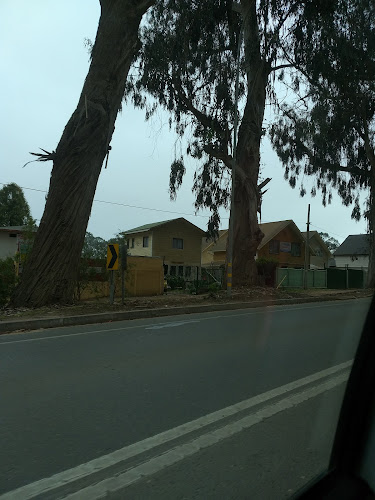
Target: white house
353	252
9	239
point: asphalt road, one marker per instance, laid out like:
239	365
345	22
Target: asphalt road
70	395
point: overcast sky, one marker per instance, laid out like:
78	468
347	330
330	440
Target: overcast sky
43	65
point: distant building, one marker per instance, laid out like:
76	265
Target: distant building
320	254
176	241
10	237
353	252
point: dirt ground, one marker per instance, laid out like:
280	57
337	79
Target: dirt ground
178	298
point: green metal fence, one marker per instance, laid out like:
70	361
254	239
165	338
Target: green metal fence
321	278
294	278
346	278
336	278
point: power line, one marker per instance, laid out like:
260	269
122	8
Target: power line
127	205
168	211
327	231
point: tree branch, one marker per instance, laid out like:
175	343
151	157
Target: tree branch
205	120
338	168
264	183
281	66
218	153
311	156
285	17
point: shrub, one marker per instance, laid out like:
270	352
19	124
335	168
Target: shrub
176	282
8	279
214	287
196	287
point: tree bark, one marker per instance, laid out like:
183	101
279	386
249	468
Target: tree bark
371	228
51	272
247	234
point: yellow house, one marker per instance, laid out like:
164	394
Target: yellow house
176	241
282	241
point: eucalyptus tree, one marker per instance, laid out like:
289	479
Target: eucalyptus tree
191	50
329	131
51	270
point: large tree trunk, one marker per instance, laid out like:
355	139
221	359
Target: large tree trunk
50	274
247	234
371	227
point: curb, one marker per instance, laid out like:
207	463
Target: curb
87	319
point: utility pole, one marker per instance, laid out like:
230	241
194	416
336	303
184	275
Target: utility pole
234	161
307	250
124	261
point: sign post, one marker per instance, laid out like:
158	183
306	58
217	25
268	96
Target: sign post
123	269
112	265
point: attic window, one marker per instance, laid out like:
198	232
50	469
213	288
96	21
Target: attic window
178	243
296	249
274	246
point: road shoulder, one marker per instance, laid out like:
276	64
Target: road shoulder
53	318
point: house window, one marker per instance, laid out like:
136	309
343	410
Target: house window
173	270
180	270
145	241
296	249
187	271
178	243
12	235
274	246
130	243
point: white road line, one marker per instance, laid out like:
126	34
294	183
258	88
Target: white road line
159	326
175	455
62	478
261	310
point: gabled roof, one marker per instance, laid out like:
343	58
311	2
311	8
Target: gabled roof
315	234
269	229
206	242
355	244
12	229
272	229
146	227
153	225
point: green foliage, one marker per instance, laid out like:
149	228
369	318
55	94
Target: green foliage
92	266
14	209
175	282
188	65
28	236
93	255
184	66
7	279
328	133
214	287
331	242
197	286
94	247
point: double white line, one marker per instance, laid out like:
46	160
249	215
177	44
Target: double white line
286	396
